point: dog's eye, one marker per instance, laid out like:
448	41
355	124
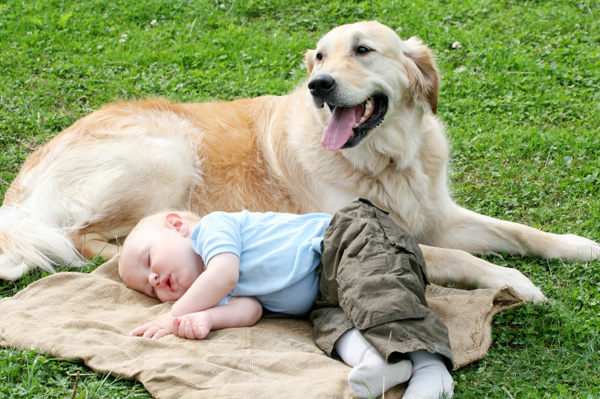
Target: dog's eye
363	50
319	56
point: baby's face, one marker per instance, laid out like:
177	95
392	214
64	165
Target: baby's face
160	262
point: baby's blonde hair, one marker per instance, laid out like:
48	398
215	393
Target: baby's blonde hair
158	216
187	215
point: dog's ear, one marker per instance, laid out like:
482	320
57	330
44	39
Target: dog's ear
422	72
309	60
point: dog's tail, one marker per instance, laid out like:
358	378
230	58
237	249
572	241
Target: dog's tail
26	242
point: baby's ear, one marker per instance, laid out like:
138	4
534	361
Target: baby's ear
175	221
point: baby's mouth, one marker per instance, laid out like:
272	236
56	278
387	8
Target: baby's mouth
168	283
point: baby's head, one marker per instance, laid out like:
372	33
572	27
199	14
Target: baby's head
157	257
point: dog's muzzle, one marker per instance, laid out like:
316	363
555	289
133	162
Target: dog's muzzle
321	87
349	123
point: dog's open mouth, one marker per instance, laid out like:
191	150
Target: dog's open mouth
349	125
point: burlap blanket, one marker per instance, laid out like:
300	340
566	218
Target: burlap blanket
87	317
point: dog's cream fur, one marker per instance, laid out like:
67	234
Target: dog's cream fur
90	184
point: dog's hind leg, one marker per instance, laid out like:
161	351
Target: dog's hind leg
92	183
93	245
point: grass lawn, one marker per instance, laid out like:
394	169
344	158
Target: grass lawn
520	96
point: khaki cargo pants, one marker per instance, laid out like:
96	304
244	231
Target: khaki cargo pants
372	276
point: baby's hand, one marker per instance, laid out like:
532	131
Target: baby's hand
155	329
193	326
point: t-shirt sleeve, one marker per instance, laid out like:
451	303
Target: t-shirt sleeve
224	301
217	233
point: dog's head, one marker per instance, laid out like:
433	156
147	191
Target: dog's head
364	72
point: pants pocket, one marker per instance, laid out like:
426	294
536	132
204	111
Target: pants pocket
381	289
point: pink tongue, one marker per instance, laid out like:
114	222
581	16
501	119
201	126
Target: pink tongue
339	130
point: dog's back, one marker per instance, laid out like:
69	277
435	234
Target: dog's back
94	181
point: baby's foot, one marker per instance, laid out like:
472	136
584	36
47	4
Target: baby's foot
374	375
430	378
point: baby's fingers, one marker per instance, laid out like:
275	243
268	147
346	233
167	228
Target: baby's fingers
150	332
178	328
175	326
161	333
200	331
186	328
140	330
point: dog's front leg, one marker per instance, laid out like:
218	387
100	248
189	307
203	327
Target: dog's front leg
460	269
478	234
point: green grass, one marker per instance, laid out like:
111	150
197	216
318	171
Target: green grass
519	96
32	375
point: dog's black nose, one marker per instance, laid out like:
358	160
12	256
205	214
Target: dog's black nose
321	85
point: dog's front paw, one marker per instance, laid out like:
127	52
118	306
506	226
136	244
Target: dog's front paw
580	249
521	284
531	294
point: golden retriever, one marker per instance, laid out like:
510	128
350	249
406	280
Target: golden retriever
362	125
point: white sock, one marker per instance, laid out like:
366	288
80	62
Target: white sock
370	374
430	377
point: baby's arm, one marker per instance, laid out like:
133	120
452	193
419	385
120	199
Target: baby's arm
214	284
238	312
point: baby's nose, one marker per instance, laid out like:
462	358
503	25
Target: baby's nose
153	279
